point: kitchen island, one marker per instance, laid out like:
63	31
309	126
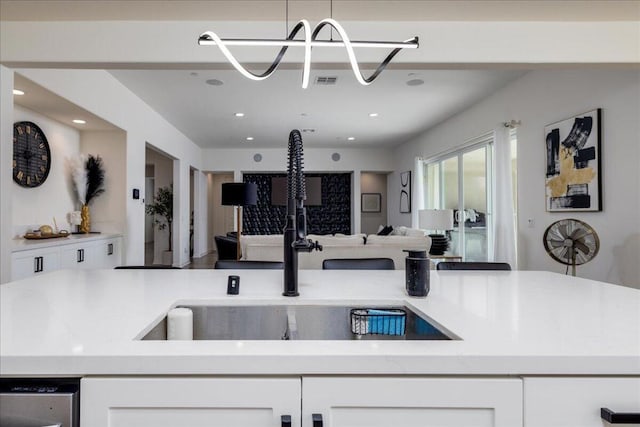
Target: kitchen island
524	342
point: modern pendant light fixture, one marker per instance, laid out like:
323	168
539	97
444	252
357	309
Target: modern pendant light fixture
209	38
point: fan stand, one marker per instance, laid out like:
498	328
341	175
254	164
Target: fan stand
573	261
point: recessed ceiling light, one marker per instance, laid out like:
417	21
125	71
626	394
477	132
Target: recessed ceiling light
18	92
214	82
239	114
193	74
415	82
79	121
373	114
308	130
249	138
351	138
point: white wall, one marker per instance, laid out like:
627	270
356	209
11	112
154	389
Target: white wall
6	172
108	211
55	198
537	99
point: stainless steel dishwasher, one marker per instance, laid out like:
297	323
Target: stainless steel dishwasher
39	402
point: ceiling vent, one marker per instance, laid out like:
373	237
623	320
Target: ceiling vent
326	81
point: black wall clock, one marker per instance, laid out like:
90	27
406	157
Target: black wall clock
31	155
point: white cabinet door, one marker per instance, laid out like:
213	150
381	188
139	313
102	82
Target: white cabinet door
576	402
110	253
33	262
80	256
412	402
193	402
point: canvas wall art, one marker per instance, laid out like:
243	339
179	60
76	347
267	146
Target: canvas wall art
573	164
405	192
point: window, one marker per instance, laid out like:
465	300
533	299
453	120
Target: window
462	180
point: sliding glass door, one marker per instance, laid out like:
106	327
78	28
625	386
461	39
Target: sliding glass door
462	181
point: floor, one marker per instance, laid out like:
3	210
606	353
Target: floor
207	261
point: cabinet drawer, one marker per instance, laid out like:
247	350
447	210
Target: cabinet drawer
576	402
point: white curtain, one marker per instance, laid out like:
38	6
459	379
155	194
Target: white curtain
504	247
417	201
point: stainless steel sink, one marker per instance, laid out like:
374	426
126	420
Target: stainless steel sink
295	322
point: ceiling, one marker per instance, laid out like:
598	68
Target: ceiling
343	10
327	114
331	114
47	103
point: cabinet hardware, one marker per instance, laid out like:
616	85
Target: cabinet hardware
38	264
285	420
316	420
80	257
619	417
110	249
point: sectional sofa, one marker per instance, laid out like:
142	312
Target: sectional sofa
269	248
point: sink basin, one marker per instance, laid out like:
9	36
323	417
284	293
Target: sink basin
301	322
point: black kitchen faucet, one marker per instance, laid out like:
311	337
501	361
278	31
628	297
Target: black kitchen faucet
295	229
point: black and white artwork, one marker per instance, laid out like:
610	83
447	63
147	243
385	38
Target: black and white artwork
405	192
573	164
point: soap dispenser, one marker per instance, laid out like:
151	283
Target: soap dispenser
417	273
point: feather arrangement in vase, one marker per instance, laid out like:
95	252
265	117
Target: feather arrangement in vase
87	172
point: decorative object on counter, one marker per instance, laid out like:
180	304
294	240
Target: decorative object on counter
88	173
371	202
37	235
571	242
239	194
46	230
405	192
417	275
162	211
74	218
436	219
31	155
310	40
573	164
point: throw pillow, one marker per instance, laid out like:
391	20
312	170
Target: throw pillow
385	231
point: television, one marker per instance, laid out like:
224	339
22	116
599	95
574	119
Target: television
279	190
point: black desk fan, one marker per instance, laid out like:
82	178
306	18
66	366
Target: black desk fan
571	242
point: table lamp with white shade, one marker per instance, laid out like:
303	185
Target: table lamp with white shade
437	220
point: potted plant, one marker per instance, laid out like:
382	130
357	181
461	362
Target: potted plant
162	211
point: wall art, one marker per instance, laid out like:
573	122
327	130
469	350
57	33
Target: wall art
573	164
371	202
405	192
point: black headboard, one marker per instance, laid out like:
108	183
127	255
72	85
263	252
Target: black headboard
332	216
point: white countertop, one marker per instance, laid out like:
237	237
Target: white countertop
23	244
510	323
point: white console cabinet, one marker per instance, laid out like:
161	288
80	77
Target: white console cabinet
325	401
34	258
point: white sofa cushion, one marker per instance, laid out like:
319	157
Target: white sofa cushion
406	242
339	239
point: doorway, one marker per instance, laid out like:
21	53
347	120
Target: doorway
158	174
